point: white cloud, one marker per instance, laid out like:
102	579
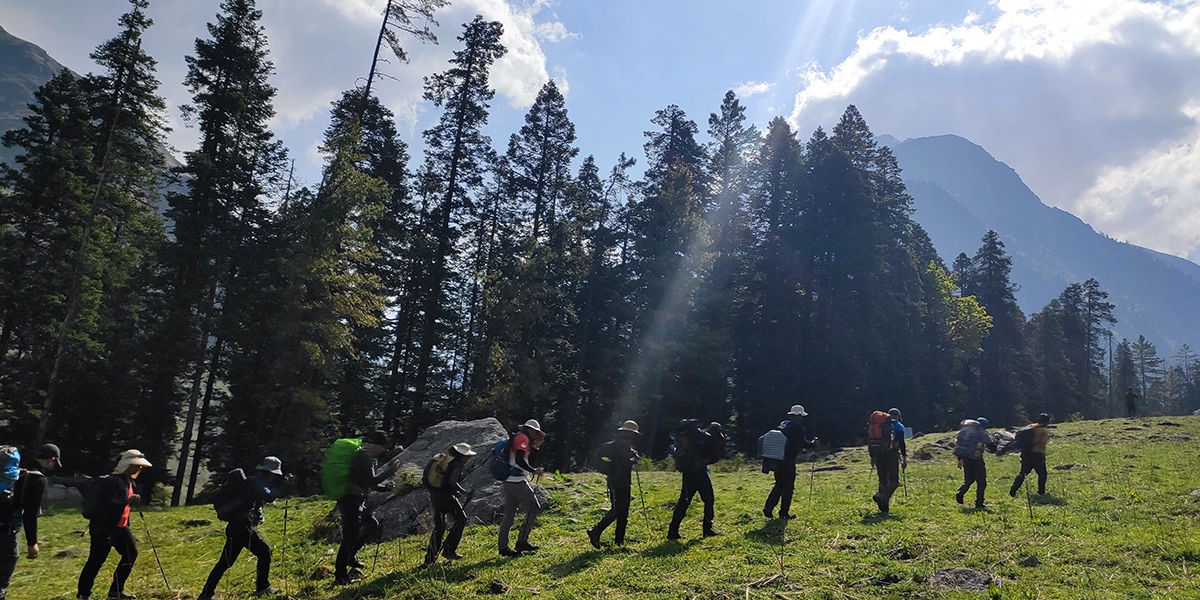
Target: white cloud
752	88
554	32
1088	101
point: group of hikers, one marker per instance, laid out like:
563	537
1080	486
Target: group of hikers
108	499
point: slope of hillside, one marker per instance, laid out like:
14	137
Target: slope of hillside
1156	295
24	67
1118	521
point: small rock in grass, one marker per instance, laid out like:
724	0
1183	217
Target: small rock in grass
1179	438
1069	466
1134	428
963	579
1030	561
1170	424
497	587
69	553
1108	497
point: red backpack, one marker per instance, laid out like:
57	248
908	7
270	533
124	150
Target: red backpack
880	434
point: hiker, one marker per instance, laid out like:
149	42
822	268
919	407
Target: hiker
243	505
1033	457
889	460
1130	403
443	479
109	526
695	449
358	524
21	509
785	469
618	457
518	492
973	439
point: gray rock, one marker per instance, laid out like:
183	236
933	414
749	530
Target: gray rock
407	512
1030	561
1069	466
62	494
963	579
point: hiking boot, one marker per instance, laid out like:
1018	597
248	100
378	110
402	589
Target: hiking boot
527	547
711	533
787	516
451	555
1013	492
672	535
768	514
510	552
204	596
267	591
958	497
347	580
594	538
121	596
980	505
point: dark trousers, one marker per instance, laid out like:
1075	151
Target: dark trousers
888	467
974	471
104	540
1130	409
784	488
694	482
620	493
358	525
9	551
1031	461
239	535
445	505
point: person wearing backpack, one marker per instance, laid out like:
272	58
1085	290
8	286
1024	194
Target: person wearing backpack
244	497
443	479
518	493
972	441
108	526
22	510
701	447
358	524
889	459
1033	456
618	457
785	468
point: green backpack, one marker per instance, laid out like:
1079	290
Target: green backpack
335	469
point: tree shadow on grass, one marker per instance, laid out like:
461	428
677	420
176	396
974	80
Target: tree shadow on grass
872	518
576	564
1047	499
770	533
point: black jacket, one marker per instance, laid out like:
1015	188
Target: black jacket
621	458
28	491
112	496
363	478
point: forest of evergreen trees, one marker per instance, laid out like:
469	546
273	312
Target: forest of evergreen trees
216	311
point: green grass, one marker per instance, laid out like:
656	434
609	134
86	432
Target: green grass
1121	524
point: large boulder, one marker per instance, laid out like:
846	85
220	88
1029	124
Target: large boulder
407	511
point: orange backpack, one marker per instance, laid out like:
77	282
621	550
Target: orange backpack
880	434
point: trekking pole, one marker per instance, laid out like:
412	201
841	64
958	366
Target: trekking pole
904	474
150	539
642	495
283	547
1028	500
812	471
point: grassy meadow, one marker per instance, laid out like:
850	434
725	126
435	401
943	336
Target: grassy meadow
1120	522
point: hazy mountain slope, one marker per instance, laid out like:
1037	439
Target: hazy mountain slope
1156	295
24	67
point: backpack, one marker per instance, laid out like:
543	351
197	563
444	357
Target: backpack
881	436
10	462
1022	441
713	447
498	465
434	475
91	504
688	452
230	501
971	441
772	444
603	458
335	469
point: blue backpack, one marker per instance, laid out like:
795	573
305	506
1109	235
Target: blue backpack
498	465
10	461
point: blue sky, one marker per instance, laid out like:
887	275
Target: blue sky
1096	103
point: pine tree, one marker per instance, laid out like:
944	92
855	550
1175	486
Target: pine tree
457	157
220	219
1149	373
1001	365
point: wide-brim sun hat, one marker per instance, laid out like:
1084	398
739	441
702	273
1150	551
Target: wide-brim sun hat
534	425
131	458
463	449
630	426
797	411
270	464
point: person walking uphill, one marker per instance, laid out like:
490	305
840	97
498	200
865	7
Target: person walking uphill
241	504
889	455
518	493
109	526
973	439
785	469
618	457
20	507
1033	457
1130	403
358	524
695	449
443	478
